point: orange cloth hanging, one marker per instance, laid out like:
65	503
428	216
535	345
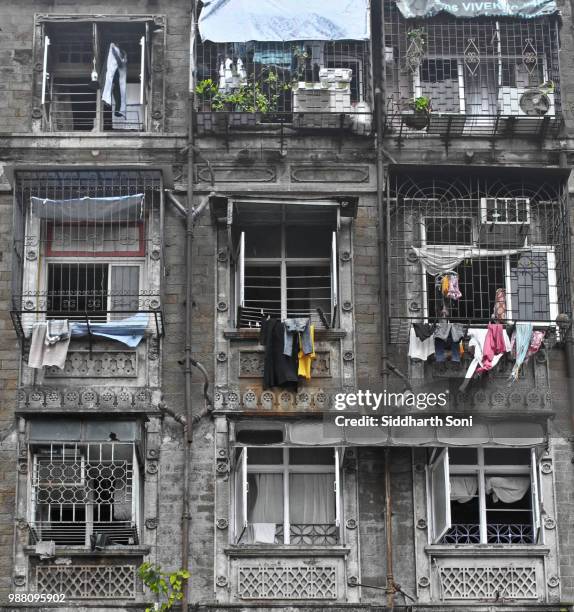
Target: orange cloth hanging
305	361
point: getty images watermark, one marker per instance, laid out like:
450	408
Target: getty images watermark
367	399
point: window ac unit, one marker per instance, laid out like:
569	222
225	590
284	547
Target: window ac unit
509	99
504	221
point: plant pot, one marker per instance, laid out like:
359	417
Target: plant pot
416	119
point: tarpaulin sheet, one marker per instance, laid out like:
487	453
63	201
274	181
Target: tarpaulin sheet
465	8
121	208
279	20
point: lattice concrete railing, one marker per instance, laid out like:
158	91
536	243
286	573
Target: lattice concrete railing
488	582
88	581
289	581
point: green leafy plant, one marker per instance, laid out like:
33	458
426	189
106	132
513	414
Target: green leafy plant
206	89
418	35
167	586
254	96
422	104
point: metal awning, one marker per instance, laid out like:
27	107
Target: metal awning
510	434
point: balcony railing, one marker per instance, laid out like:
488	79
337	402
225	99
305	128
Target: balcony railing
456	77
469	533
76	533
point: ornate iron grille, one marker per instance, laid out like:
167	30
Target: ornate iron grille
482	76
88	581
494	582
81	265
496	534
302	84
80	490
310	535
492	233
287	581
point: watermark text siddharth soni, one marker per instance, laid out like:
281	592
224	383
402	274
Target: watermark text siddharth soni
402	421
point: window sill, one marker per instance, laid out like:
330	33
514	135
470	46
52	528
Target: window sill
285	550
487	550
253	334
82	551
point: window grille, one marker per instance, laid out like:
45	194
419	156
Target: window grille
483	76
80	491
304	84
75	262
75	58
508	233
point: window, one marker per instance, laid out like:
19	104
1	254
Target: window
77	289
287	495
84	483
82	90
484	496
503	261
286	270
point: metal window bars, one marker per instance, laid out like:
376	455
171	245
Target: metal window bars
87	266
83	490
496	533
491	233
301	85
482	77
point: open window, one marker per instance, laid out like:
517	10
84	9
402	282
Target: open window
96	75
287	495
484	496
85	483
285	263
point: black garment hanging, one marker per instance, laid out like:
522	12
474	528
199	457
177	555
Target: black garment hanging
279	370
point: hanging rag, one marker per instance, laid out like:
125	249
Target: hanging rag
279	370
294	326
477	341
446	328
305	361
535	343
507	489
49	344
45	549
420	349
453	291
521	343
424	330
499	311
444	284
117	62
463	488
494	344
263	533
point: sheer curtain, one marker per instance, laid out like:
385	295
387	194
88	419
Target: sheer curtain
463	488
312	499
264	506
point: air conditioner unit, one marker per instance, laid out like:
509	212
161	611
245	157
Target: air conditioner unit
504	221
509	102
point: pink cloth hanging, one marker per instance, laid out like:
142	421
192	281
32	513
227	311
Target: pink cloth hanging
453	292
494	344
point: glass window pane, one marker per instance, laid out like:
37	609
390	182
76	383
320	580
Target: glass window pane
263	241
265	456
311	499
311	456
462	456
262	290
529	284
308	288
111	430
55	430
265	498
303	241
260	436
506	456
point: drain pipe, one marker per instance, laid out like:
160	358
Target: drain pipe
385	369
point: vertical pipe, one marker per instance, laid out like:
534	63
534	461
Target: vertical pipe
188	433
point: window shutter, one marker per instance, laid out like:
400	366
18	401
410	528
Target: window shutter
241	495
124	289
142	69
136	490
240	277
535	492
45	74
337	484
334	282
440	496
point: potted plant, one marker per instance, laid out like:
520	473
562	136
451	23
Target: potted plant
416	47
416	113
206	91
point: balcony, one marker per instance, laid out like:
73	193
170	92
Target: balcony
453	77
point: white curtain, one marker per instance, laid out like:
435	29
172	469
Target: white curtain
463	488
312	499
265	498
507	489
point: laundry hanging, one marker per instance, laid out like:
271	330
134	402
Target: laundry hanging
117	62
494	344
49	344
499	311
420	349
520	343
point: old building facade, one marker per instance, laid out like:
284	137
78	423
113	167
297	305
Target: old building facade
175	177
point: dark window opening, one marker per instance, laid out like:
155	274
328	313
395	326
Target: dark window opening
77	288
